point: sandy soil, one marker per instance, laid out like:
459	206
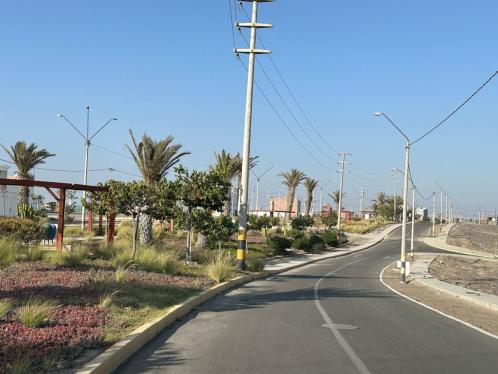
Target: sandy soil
472	273
464	310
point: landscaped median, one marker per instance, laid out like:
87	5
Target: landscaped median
122	350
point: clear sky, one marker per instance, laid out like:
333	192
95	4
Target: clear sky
167	67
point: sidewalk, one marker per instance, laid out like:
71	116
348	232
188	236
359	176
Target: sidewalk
440	243
420	274
287	263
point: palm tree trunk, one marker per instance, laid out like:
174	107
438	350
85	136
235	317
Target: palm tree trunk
290	201
307	204
23	195
145	229
202	241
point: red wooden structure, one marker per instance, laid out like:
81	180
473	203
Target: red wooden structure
61	201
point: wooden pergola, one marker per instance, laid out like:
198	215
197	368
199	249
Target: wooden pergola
61	201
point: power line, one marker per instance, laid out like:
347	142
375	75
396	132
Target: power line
111	151
291	93
457	109
286	105
283	121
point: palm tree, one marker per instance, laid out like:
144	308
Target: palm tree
310	185
229	167
153	159
292	179
26	158
336	195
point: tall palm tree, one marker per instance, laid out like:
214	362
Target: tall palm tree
26	158
229	166
292	179
153	159
335	196
310	185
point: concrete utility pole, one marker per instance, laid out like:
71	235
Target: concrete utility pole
414	189
433	214
405	196
246	152
446	210
88	141
362	199
395	179
342	163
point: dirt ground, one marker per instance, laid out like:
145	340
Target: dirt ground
464	310
472	273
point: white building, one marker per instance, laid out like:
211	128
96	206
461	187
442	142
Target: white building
422	213
8	196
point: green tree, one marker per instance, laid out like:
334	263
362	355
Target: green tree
310	185
25	158
292	179
153	159
199	194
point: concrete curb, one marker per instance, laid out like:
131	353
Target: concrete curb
424	278
436	243
114	356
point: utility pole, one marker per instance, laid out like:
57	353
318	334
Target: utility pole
414	189
246	152
88	141
395	179
447	211
433	214
342	163
362	199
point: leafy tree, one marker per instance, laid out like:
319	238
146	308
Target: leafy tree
292	179
153	159
26	158
329	221
301	223
383	206
198	193
70	208
310	185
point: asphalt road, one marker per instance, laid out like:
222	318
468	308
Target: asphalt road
330	317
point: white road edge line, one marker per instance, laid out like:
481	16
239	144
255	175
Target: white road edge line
381	275
330	324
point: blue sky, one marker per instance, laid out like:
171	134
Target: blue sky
167	67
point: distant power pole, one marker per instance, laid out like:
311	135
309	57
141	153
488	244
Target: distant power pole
395	179
246	152
433	214
414	189
362	199
342	164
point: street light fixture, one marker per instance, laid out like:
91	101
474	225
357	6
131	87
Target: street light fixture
405	196
88	141
258	178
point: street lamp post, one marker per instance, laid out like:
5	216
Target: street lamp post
405	197
88	141
258	179
414	189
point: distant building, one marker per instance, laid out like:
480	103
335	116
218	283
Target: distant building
277	207
367	214
422	213
326	211
347	215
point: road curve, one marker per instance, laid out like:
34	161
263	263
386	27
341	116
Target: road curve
330	317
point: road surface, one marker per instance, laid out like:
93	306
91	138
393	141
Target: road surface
330	317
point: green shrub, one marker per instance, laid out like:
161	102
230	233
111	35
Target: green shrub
330	238
122	258
201	255
72	231
107	251
33	253
255	264
152	260
73	258
5	307
279	244
315	239
301	223
121	273
35	312
22	230
8	251
302	243
125	231
107	299
220	267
